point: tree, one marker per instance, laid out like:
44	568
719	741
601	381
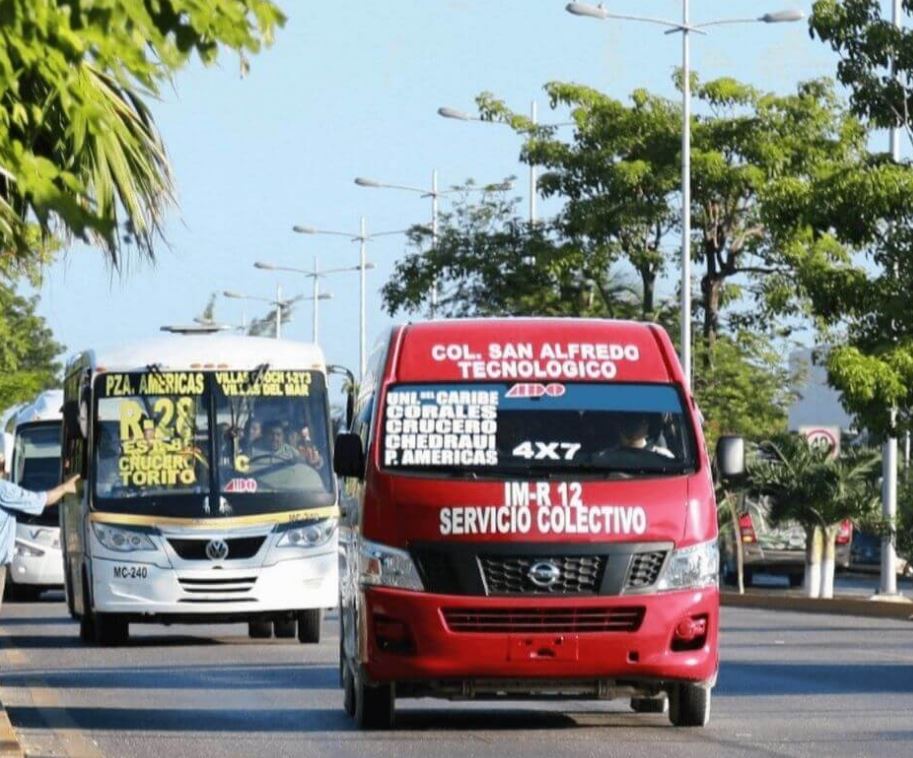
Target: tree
79	151
807	485
620	175
28	351
489	262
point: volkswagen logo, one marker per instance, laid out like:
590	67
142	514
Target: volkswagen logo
217	550
544	574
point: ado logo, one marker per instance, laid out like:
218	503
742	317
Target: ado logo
534	389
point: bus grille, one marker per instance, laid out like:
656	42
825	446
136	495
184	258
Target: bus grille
221	590
546	620
239	548
510	575
645	568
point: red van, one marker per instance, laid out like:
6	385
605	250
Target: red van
528	511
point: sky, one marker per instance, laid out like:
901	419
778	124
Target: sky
352	89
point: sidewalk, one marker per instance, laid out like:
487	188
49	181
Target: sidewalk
855	594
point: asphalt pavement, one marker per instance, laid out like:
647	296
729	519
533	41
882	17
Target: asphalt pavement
791	684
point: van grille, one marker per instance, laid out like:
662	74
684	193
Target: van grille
510	575
644	570
546	620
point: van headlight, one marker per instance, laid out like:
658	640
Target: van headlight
312	534
692	568
122	540
385	566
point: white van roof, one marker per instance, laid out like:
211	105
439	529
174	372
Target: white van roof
45	407
202	352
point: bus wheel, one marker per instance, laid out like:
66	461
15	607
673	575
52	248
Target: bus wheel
659	704
348	689
689	705
87	627
309	622
285	629
374	706
111	629
260	630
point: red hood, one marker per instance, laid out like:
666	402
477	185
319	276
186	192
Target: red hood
643	510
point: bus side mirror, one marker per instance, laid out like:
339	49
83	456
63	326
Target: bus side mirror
349	456
730	456
350	387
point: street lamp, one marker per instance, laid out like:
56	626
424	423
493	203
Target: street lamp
685	27
278	303
434	193
316	274
362	238
459	115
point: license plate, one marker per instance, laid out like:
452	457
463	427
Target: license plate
131	572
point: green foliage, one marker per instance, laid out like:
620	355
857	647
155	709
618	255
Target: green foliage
807	486
488	262
745	390
28	351
79	152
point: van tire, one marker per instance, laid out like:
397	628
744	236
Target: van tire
259	630
748	576
309	623
796	580
374	705
658	704
689	705
285	629
348	689
111	629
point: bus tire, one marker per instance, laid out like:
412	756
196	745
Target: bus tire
374	705
259	630
309	623
689	705
111	629
87	627
348	689
658	704
285	629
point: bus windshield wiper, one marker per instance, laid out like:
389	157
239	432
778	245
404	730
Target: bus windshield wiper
256	376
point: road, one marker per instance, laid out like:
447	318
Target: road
791	684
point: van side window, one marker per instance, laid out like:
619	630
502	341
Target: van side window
361	425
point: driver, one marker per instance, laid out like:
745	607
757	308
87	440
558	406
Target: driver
274	444
633	431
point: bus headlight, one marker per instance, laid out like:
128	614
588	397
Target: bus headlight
122	540
385	566
312	534
692	568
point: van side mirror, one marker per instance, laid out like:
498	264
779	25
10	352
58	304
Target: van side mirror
730	456
349	456
350	389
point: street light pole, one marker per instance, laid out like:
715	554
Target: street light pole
533	189
316	296
362	328
278	311
686	28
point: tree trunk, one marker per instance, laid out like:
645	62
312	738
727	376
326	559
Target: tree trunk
648	281
814	544
711	290
828	563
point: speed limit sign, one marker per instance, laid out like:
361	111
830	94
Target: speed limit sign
823	438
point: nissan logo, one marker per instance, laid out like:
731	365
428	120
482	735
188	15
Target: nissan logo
544	574
217	550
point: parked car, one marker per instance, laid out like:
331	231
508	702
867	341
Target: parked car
770	548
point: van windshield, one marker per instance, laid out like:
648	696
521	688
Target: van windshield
37	465
523	429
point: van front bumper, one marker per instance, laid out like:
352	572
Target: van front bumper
414	637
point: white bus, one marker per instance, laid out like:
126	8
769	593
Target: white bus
35	464
208	492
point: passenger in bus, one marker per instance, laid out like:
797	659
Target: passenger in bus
306	448
253	435
635	433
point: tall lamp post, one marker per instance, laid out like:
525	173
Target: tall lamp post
459	115
434	193
362	238
316	275
277	303
685	28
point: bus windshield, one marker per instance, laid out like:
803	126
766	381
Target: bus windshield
531	429
37	465
208	444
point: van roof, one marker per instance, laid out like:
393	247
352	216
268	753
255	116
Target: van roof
535	350
199	352
45	407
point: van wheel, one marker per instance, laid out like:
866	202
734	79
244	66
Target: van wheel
796	580
260	630
309	623
748	576
689	705
374	705
111	629
285	629
348	689
658	704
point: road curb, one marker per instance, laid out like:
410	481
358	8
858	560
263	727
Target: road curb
838	605
9	742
